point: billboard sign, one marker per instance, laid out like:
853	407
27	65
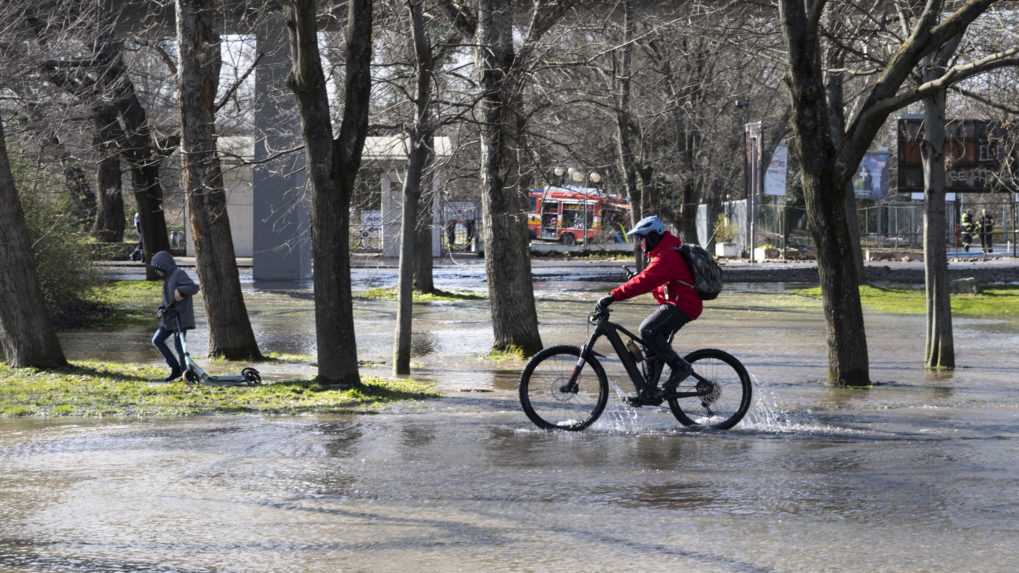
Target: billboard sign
871	179
974	152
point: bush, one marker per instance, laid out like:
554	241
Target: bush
725	230
62	255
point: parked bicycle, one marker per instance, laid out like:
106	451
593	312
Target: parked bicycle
566	388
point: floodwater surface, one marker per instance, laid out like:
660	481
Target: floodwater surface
917	473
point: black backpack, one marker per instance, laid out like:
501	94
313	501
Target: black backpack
707	275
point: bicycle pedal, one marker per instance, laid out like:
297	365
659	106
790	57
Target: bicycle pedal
634	401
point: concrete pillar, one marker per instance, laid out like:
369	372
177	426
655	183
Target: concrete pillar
436	214
392	206
282	238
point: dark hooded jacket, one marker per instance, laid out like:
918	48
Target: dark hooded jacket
175	279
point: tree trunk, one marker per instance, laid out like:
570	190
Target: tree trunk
421	140
27	337
139	148
835	87
503	195
331	169
424	281
688	212
939	352
230	334
109	222
625	131
824	190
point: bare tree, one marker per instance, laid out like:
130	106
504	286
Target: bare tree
503	71
27	336
332	166
421	138
828	167
198	44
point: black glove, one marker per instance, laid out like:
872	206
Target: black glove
605	301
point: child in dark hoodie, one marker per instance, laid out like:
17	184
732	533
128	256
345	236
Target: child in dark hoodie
178	288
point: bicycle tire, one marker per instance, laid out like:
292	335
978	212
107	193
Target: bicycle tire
542	396
730	376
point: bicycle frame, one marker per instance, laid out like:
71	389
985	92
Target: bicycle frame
611	330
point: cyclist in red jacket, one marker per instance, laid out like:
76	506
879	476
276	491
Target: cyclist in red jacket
668	278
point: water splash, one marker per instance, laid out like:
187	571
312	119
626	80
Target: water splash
767	415
619	416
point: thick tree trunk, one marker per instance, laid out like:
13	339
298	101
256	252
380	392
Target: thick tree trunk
230	333
331	169
503	196
824	189
109	222
27	337
939	351
835	87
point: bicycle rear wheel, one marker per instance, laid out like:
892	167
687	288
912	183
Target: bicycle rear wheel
548	398
729	391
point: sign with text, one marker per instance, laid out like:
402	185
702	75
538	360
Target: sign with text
975	151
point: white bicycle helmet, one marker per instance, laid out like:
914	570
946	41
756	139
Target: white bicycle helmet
646	226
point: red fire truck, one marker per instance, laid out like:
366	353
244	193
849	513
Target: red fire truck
572	215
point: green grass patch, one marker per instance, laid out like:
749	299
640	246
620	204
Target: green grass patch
126	303
511	354
419	297
1001	302
94	389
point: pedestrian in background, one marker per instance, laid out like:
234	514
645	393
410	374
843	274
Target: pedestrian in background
986	227
967	227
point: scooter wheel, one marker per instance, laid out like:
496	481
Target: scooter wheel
252	376
191	377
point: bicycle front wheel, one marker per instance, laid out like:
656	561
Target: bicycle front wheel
549	398
725	389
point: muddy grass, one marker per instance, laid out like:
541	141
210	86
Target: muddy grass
100	389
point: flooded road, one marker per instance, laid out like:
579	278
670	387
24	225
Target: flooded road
915	474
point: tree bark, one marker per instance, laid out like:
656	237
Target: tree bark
835	87
503	194
626	131
138	147
824	190
421	140
26	334
332	166
109	221
424	281
230	333
939	345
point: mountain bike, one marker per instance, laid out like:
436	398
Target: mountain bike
566	388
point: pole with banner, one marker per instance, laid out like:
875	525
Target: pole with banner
753	178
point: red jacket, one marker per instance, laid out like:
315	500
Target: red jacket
667	277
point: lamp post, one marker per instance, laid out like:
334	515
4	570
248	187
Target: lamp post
559	173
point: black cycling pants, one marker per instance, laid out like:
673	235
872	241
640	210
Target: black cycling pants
658	327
